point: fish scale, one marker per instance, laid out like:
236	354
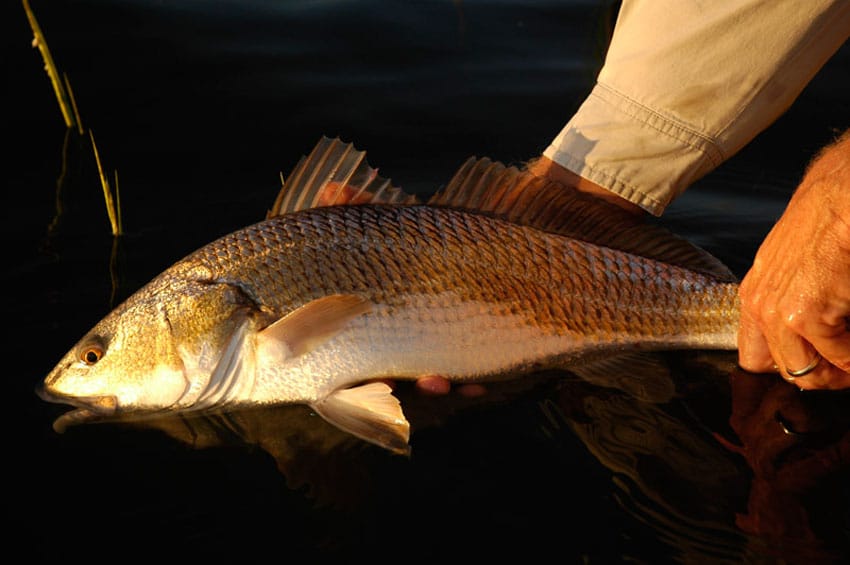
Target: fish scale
349	281
580	288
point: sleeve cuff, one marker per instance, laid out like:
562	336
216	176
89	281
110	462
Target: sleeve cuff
637	153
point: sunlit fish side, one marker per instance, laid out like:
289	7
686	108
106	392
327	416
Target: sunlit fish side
349	281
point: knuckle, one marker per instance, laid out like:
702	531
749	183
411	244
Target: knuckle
795	321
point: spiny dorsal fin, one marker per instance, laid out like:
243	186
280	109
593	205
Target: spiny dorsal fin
335	173
521	197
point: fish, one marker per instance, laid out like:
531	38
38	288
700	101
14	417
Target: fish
350	284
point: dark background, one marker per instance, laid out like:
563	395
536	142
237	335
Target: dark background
200	106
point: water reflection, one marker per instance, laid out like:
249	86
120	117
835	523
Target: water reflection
798	448
682	473
200	112
734	466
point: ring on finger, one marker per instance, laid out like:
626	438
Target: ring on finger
807	369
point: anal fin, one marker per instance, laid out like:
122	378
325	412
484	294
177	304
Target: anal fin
370	412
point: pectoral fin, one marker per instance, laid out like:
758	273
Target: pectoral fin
312	324
370	412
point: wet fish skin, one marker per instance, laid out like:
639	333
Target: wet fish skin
307	306
433	263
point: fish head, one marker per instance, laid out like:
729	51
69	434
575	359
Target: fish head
126	362
147	354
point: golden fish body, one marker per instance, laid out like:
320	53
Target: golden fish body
458	294
305	305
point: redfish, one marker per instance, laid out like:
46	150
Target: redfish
350	282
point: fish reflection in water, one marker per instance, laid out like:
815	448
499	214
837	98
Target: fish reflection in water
683	475
331	466
731	488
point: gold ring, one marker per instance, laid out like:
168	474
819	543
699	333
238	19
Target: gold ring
807	369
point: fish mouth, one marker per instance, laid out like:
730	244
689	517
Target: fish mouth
86	408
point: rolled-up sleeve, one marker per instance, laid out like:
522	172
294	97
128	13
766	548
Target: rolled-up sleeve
687	83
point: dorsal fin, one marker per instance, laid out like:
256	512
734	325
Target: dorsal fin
521	197
335	173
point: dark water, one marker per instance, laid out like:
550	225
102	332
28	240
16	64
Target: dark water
199	106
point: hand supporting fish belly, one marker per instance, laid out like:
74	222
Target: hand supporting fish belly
349	281
438	385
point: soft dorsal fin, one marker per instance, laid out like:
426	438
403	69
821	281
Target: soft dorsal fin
521	197
335	173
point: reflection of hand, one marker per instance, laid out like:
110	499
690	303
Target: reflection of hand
794	443
795	300
772	418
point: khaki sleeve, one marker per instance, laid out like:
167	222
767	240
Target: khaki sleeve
687	83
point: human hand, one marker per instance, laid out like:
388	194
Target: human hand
545	167
436	385
795	300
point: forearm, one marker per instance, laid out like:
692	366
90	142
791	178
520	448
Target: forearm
685	86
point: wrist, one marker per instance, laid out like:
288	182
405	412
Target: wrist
549	169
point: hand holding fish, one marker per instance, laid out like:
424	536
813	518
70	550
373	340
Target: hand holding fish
438	385
795	300
654	124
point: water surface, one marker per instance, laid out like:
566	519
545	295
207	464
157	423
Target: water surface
200	106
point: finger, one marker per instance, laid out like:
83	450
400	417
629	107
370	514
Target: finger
818	373
433	385
753	352
825	377
833	342
798	362
795	356
822	333
831	372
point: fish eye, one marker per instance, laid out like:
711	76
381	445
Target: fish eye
91	354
